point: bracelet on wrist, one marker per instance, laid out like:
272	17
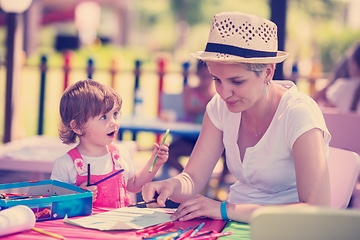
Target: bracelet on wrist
223	211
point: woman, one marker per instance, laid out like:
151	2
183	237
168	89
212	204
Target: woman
344	93
275	137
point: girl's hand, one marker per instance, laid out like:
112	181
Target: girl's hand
93	189
197	206
162	153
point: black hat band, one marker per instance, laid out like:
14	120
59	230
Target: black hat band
237	51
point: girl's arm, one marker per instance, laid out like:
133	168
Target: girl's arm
143	176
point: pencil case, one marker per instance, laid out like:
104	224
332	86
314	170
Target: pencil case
48	199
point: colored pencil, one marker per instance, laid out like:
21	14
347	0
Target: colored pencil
142	203
54	235
169	235
214	235
160	233
184	234
145	202
110	176
145	230
159	229
163	141
88	176
197	229
203	234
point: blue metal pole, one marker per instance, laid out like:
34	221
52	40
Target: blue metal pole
90	68
12	23
43	69
186	67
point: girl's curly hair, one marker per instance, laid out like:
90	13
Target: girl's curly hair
81	101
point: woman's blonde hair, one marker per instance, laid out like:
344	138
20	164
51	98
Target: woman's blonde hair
257	68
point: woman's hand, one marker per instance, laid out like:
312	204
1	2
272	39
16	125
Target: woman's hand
162	153
197	206
93	189
164	189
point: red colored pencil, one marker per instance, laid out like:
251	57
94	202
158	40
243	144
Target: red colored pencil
152	228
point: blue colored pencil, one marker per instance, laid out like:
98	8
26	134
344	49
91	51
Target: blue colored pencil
197	229
110	176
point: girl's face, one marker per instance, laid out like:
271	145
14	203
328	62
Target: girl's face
101	130
237	86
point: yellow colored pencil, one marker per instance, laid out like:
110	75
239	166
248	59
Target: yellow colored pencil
47	233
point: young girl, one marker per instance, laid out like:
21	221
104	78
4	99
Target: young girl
90	114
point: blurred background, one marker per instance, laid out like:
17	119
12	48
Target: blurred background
62	41
113	34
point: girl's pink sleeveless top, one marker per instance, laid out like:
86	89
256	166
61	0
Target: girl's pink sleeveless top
112	192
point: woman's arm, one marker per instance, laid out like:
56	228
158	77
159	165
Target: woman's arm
202	161
312	174
206	154
312	179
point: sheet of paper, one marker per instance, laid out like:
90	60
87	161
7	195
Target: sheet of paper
126	218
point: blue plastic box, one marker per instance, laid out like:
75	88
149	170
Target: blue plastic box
57	199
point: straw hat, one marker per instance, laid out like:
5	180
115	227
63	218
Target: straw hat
244	38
